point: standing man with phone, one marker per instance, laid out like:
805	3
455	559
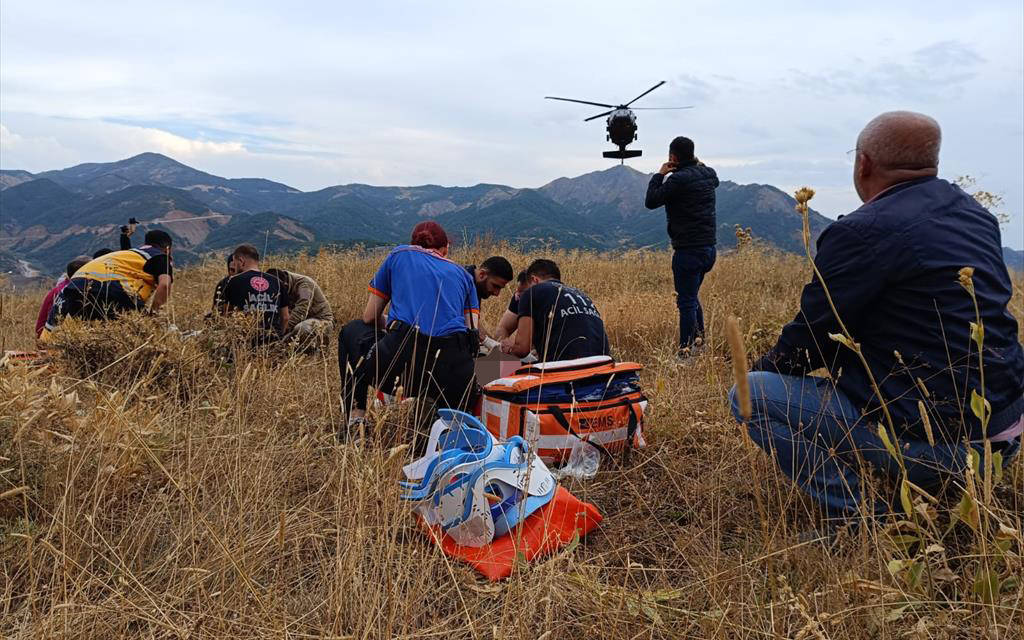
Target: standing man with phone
686	188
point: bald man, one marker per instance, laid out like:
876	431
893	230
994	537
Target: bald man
892	269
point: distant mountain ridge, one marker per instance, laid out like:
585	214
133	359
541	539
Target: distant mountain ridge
49	217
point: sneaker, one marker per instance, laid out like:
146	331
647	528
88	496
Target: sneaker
688	355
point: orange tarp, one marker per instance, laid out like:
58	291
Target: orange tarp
546	530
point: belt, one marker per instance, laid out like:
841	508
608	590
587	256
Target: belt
460	339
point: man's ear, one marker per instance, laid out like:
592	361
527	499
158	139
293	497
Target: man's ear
865	166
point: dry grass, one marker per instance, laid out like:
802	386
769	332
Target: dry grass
179	495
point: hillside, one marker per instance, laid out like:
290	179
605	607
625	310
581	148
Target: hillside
1014	259
613	199
48	217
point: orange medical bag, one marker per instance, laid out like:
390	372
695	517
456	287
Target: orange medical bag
557	404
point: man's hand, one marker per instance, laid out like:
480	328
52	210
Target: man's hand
667	168
519	345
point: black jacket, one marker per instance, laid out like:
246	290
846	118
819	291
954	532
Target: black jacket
688	195
891	267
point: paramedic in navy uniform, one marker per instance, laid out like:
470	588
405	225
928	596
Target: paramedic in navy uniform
429	338
557	321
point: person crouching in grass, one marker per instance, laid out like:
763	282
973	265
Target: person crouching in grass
427	343
892	269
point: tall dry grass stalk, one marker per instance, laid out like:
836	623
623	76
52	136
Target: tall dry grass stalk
739	365
192	491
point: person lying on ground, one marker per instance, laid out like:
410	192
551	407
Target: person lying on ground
310	318
557	321
427	343
490	278
44	309
892	270
117	282
259	294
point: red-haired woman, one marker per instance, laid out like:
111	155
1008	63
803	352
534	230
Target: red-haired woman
427	342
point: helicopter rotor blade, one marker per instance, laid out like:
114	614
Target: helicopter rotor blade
658	108
600	115
645	93
596	104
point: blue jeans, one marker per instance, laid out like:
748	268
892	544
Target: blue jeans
819	440
689	267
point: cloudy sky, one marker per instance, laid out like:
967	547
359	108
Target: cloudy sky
320	93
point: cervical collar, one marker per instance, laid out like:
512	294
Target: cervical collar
474	487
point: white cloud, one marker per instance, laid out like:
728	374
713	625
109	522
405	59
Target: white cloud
173	145
8	140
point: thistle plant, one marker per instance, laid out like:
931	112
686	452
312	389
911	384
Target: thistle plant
986	468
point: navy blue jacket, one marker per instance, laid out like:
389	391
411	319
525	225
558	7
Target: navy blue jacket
891	267
688	195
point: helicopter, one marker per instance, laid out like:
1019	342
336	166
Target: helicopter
621	123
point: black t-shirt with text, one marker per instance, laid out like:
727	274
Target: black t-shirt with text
257	293
566	324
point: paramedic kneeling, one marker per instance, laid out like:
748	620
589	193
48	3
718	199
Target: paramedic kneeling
426	345
555	320
117	282
258	294
310	319
894	269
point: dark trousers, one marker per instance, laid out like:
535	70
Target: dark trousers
689	266
439	370
819	438
89	299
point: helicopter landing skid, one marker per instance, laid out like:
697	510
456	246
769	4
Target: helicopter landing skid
622	154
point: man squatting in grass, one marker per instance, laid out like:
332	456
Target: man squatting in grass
44	308
688	195
116	282
259	294
556	321
310	319
218	291
428	341
490	278
892	268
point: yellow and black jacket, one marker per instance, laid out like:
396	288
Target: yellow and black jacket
127	267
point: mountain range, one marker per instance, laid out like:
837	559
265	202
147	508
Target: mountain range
47	218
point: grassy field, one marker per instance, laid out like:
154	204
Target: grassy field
149	489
